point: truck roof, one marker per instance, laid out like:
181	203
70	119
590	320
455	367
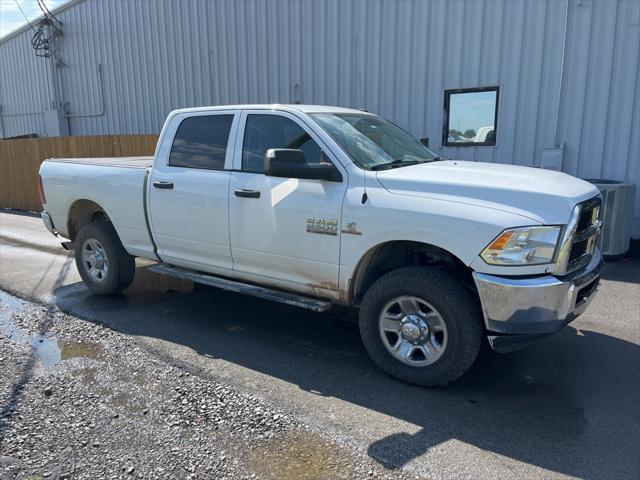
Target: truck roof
272	106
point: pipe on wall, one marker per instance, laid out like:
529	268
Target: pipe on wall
12	115
556	128
102	99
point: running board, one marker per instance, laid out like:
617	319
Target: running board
244	288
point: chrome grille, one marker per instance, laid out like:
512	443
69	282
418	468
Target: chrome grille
583	241
585	220
578	249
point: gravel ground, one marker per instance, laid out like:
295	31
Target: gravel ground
78	400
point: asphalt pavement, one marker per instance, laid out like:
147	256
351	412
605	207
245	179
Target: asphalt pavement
568	406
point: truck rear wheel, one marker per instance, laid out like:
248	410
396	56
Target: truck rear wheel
421	325
103	263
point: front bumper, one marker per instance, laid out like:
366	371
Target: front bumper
519	311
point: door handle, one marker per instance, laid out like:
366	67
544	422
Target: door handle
247	193
165	185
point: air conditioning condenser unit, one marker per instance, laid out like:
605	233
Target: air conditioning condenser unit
617	205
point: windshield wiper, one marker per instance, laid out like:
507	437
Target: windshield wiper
396	164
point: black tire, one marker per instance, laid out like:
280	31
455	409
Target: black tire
457	307
121	266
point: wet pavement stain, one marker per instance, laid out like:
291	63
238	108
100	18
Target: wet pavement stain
126	402
148	281
139	379
131	376
301	455
88	375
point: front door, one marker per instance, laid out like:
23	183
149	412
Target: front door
284	229
189	192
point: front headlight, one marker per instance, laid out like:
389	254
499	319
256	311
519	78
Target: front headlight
523	246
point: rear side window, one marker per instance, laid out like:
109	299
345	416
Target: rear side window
201	142
263	132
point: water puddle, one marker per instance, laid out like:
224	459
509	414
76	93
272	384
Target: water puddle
300	455
48	350
10	300
78	350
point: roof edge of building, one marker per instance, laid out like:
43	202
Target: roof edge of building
27	26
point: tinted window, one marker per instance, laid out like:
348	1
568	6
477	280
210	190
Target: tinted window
470	116
201	142
263	132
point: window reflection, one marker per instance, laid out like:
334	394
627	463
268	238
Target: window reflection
471	116
263	132
201	142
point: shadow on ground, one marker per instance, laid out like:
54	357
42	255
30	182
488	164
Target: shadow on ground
568	404
625	268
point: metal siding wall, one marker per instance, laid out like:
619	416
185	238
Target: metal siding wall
154	60
600	105
24	87
394	58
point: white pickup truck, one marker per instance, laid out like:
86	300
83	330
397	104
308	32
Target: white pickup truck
321	206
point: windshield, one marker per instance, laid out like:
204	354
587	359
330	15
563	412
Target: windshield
372	142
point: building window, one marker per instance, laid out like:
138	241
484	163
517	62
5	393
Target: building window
201	142
470	117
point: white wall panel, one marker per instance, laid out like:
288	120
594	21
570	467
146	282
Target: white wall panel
393	57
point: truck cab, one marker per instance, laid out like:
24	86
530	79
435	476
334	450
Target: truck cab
209	166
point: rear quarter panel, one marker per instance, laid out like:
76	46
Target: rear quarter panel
118	190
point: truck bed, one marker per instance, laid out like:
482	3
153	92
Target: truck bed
116	185
121	162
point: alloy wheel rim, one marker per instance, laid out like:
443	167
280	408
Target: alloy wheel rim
413	331
94	260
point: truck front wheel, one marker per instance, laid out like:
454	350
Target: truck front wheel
421	325
103	263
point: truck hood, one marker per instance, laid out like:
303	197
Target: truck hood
545	196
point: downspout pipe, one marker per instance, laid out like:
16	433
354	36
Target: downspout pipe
102	110
556	129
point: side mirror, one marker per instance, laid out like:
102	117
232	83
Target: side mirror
425	141
290	163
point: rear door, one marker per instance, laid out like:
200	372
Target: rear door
189	188
284	229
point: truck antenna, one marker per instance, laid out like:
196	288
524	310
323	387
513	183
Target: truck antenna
359	96
364	172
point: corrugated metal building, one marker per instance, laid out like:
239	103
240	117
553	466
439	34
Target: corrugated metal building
567	70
